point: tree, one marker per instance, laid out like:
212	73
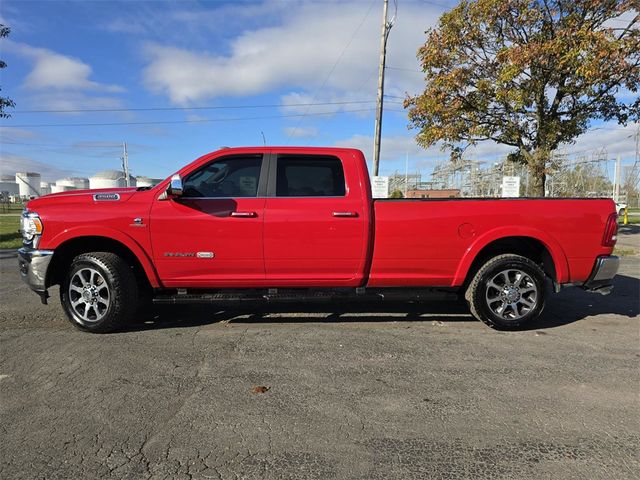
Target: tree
5	102
531	74
396	194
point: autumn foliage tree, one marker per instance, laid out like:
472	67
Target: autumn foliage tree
531	74
4	101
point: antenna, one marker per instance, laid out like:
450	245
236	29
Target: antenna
264	140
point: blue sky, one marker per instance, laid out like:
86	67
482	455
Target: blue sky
258	63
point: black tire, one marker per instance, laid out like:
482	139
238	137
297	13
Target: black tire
99	293
507	292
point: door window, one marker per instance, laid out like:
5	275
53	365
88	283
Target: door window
309	176
227	177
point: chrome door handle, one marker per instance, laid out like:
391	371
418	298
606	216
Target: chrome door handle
345	214
244	214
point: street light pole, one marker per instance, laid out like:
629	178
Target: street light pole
386	26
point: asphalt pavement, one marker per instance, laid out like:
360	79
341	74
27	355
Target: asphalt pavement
362	391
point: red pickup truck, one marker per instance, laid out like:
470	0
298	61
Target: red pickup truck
279	223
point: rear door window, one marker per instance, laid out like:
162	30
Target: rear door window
309	176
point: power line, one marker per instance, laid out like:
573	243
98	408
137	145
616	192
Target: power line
56	145
162	109
355	32
164	122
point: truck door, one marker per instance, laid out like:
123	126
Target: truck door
315	223
212	234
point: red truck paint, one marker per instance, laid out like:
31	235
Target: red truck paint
321	242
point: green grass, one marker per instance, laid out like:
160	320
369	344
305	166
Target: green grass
623	252
9	236
11	207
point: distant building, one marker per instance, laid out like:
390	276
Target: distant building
110	179
45	188
28	184
147	181
77	183
55	188
451	193
8	187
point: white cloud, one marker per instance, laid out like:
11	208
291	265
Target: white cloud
70	100
11	163
301	132
302	53
61	82
57	71
12	134
614	138
393	151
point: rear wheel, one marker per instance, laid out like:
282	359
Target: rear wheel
99	293
507	292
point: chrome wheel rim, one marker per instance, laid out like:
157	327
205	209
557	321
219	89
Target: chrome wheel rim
89	295
511	294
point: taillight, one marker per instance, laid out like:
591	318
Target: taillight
611	231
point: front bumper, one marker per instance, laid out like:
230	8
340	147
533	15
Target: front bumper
601	278
33	266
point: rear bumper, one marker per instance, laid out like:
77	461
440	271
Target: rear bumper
33	266
601	278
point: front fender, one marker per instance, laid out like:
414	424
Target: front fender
111	234
553	247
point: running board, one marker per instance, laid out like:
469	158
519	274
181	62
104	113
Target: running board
291	295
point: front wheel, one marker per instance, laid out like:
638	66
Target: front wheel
99	293
507	292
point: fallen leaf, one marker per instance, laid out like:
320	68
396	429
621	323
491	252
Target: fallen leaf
260	389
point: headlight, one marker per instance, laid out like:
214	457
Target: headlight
30	226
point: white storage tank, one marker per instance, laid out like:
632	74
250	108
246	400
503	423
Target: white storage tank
147	181
55	188
28	184
45	188
78	183
110	179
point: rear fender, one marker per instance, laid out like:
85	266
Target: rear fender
553	247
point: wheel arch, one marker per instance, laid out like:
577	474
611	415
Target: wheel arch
543	251
66	250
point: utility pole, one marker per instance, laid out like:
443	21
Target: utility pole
616	180
125	164
386	27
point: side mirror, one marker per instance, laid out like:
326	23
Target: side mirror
175	188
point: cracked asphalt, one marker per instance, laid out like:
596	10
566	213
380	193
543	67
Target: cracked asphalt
363	391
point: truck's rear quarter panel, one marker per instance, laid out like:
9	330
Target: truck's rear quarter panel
433	242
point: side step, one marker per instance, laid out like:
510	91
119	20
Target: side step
297	295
